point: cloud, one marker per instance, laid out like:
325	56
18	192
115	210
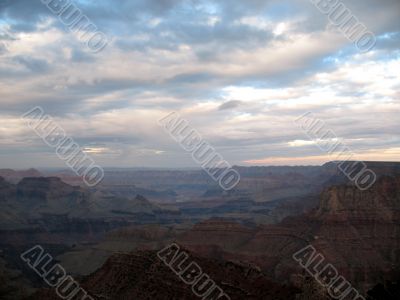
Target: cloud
32	64
230	104
239	71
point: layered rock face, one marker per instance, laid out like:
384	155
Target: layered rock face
142	275
45	209
51	213
7	190
260	184
356	231
15	176
360	231
34	197
13	285
50	195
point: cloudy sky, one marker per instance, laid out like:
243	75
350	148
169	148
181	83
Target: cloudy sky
239	71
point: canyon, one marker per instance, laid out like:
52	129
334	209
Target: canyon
114	233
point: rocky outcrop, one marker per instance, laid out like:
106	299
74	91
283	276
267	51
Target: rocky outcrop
13	285
39	196
142	275
7	191
224	234
49	195
15	176
356	231
47	204
346	202
385	291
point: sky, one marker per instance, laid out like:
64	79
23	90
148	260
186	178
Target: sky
240	72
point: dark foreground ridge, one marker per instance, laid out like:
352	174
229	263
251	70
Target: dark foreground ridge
142	275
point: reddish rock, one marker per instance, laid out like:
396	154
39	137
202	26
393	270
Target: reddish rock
142	275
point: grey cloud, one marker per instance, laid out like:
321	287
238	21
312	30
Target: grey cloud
81	56
6	36
33	64
230	105
218	55
3	48
191	78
